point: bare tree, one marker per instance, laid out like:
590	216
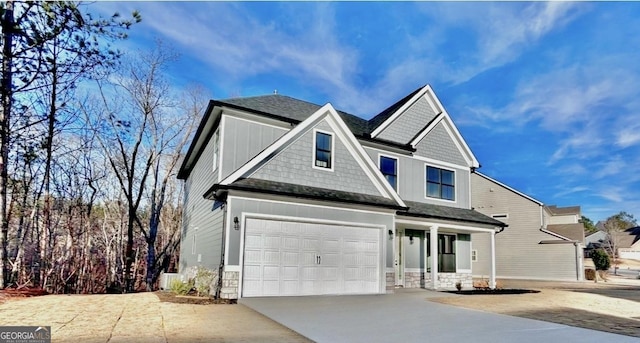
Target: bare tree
615	227
142	133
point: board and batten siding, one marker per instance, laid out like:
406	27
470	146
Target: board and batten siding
295	165
519	253
238	206
198	214
409	123
243	140
412	179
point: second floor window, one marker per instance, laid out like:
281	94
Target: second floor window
323	150
389	168
216	149
440	183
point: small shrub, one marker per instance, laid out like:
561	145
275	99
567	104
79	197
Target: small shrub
590	274
203	280
459	286
601	259
181	288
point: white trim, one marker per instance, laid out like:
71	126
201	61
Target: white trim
363	159
509	188
221	127
332	157
397	169
228	268
227	229
382	229
470	161
276	145
438	162
399	111
231	197
455	187
438	118
556	235
253	118
443	225
215	160
341	129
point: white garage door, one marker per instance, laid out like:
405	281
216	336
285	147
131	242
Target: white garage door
292	258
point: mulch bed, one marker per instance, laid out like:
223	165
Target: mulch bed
171	297
500	291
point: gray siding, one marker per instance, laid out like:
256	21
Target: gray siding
438	145
409	123
518	252
294	165
243	140
414	252
412	180
198	214
239	206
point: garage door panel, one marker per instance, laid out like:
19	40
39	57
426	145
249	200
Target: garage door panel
308	259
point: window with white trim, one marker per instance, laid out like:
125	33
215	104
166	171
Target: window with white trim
323	150
389	168
440	183
216	149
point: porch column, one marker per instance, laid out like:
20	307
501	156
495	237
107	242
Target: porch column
492	274
433	242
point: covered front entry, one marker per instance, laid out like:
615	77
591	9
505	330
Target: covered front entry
437	255
290	258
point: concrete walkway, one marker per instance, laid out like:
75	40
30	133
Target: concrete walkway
408	316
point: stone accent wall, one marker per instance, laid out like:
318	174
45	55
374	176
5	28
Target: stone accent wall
445	280
391	280
229	285
414	280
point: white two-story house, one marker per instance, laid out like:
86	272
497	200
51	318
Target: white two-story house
284	197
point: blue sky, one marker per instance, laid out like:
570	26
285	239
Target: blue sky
547	94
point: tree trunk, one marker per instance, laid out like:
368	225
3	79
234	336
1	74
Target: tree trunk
5	115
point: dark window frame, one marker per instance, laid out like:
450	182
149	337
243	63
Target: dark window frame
394	185
318	150
444	188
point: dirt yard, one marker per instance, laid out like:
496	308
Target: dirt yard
613	306
141	317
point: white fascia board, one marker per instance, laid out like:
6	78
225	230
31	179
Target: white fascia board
509	188
460	140
556	235
301	128
428	129
399	111
444	225
363	159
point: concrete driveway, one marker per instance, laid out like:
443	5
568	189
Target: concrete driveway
408	316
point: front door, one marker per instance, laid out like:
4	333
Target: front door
399	258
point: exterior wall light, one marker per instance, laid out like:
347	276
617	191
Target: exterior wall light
236	223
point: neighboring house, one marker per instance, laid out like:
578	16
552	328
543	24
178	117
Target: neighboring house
629	243
594	241
284	197
541	242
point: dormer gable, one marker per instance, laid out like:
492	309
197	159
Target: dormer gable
293	157
420	121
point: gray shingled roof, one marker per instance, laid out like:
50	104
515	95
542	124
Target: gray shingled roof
306	192
417	209
294	109
384	115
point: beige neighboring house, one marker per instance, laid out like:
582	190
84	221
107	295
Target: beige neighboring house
628	243
540	243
